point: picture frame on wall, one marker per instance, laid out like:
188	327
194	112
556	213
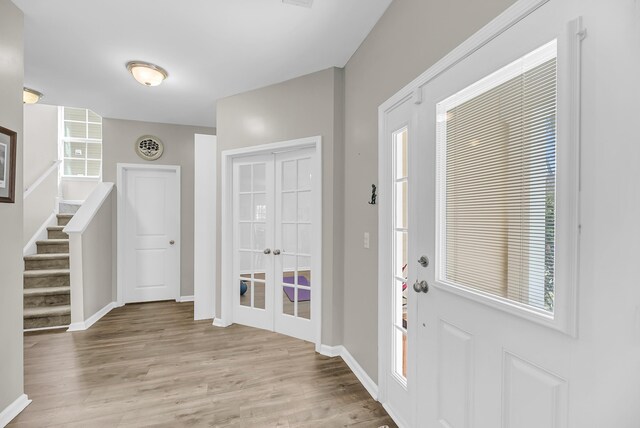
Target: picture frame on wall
8	142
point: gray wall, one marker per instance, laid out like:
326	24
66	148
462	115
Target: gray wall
118	140
303	107
410	37
11	266
97	259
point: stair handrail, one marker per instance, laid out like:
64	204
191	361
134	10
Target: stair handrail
28	190
90	207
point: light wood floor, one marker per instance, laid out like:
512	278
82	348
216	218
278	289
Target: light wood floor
152	365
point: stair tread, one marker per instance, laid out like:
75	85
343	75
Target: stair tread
44	291
46	272
47	311
53	241
64	215
49	256
52	228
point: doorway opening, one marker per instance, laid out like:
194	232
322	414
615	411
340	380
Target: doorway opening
272	238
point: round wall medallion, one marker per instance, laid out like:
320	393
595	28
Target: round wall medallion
149	147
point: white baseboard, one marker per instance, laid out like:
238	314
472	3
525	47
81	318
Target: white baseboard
13	410
41	234
363	377
56	327
81	326
217	322
183	299
330	351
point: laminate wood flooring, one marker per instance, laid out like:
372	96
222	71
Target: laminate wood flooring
152	365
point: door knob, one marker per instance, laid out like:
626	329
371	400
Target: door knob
276	252
421	286
172	242
267	251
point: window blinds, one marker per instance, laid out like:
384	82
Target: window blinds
499	143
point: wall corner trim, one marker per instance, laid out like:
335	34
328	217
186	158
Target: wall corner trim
84	325
217	322
14	409
361	374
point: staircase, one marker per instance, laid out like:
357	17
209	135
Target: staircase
47	300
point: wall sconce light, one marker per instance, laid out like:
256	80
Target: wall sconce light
30	96
146	73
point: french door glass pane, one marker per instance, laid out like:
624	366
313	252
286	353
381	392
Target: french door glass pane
244	210
304	206
259	294
259	236
259	179
289	175
304	174
288	206
244	179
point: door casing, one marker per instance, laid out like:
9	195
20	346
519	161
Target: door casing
225	318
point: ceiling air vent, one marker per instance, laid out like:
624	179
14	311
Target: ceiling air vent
303	3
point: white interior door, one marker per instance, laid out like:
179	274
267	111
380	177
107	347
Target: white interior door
151	214
495	337
274	213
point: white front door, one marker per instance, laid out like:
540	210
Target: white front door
490	259
274	213
151	225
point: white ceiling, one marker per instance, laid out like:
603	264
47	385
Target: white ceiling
76	50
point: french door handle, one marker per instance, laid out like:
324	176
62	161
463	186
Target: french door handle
276	252
267	251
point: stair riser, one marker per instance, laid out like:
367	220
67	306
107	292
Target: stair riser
50	300
47	281
63	221
43	322
53	248
57	234
46	264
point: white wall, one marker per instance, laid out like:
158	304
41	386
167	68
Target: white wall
11	266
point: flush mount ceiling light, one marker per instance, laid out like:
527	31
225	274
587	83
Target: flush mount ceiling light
146	73
30	96
303	3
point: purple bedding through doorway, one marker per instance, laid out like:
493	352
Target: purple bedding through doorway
303	295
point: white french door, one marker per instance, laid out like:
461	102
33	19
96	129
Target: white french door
479	231
273	220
